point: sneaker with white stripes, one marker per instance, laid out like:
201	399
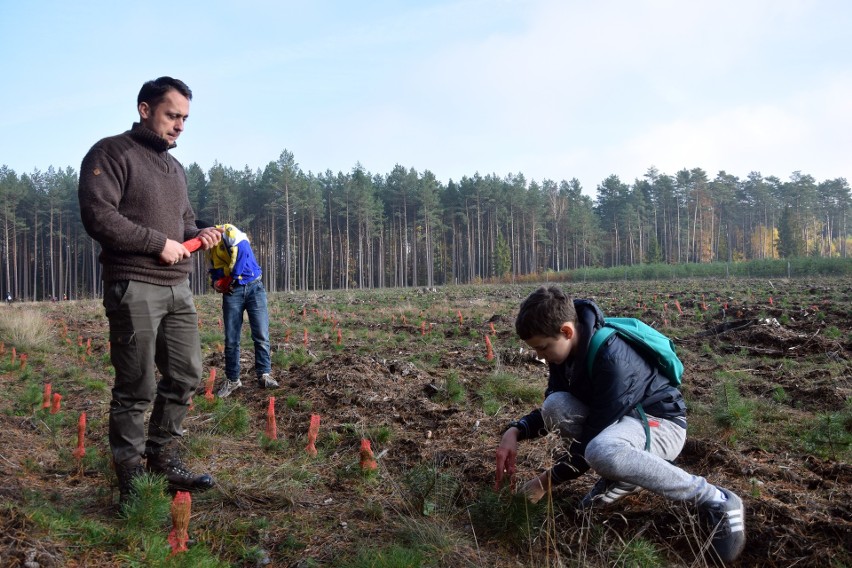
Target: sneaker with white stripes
605	492
727	522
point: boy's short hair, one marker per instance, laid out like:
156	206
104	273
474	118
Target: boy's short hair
543	313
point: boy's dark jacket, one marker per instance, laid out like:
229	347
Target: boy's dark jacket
622	379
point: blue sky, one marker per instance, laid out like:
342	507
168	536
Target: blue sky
554	89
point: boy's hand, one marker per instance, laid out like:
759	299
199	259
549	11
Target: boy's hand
507	454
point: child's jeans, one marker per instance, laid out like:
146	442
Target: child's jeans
251	299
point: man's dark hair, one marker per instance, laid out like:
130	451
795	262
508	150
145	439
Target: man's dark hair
543	313
153	92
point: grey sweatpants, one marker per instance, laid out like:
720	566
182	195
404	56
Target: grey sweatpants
150	328
618	452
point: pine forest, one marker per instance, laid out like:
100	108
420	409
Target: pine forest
405	228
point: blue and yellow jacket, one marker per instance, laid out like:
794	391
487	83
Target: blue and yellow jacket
233	258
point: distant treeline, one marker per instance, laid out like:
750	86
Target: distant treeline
405	228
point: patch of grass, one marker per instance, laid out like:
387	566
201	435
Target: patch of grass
278	487
374	511
453	388
829	435
638	552
29	400
329	441
76	527
431	491
437	538
731	412
27	329
95	385
270	445
292	542
780	396
832	332
390	556
755	485
200	445
73	374
298	357
428	359
149	507
502	387
380	434
507	516
292	402
209	337
230	418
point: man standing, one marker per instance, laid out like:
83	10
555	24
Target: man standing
134	202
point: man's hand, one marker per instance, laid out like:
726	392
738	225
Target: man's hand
173	252
210	237
537	487
507	454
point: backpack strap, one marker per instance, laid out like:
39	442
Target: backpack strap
646	426
598	339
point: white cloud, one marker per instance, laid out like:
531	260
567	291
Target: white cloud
806	131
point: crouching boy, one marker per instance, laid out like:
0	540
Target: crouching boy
600	419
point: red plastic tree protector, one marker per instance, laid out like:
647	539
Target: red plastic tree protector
271	426
367	460
181	512
313	431
208	394
80	450
45	402
57	402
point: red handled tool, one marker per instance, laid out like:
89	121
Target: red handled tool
192	244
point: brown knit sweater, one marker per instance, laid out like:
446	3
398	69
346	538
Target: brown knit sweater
133	197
